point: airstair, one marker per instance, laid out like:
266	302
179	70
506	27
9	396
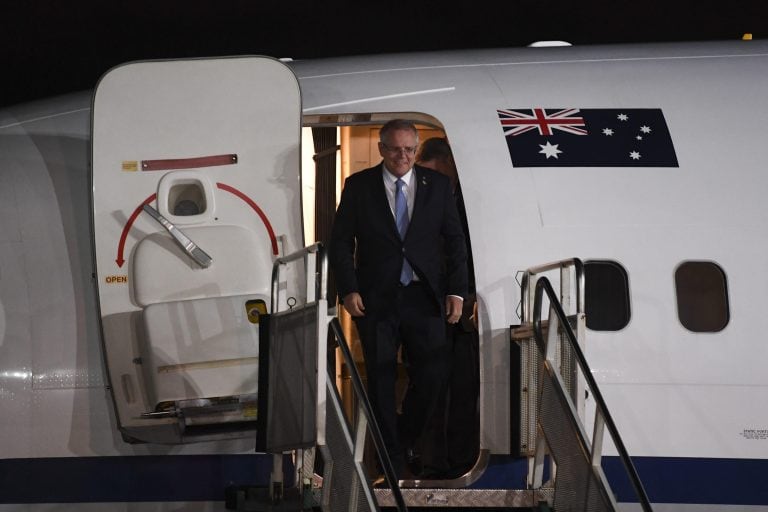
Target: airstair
304	412
561	377
305	416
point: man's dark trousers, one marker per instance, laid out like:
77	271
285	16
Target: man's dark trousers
415	321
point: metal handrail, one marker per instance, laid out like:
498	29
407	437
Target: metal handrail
530	277
543	286
321	284
362	397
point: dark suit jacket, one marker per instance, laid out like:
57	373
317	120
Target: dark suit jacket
469	301
366	253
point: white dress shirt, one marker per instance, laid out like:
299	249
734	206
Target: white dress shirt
409	189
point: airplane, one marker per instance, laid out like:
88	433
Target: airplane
141	224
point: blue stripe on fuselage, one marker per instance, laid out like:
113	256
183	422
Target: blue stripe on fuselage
665	479
205	478
129	478
692	480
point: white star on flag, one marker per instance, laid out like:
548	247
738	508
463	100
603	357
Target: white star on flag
622	117
634	155
549	149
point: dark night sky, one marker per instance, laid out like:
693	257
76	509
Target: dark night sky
49	47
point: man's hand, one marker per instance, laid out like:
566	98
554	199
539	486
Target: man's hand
353	303
453	306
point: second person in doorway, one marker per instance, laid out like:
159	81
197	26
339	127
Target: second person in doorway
451	446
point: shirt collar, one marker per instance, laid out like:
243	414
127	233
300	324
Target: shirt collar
391	178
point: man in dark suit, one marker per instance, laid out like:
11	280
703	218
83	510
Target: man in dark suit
399	259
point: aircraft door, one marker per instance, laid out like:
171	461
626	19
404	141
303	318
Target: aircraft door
196	190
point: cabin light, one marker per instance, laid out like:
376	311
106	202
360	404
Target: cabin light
747	36
548	44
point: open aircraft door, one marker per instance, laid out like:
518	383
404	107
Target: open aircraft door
195	192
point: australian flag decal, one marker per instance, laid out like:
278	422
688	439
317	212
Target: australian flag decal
588	137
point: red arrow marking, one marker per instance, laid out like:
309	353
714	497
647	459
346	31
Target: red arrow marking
127	228
121	246
256	208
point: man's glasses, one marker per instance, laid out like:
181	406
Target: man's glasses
408	150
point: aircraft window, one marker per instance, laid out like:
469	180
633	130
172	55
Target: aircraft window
606	296
702	296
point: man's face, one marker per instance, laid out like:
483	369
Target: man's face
399	151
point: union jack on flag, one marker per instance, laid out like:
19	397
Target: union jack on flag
516	122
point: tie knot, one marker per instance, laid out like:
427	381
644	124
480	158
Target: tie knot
400	183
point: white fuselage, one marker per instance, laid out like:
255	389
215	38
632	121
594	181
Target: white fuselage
674	393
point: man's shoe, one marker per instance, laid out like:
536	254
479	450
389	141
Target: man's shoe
380	483
413	461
